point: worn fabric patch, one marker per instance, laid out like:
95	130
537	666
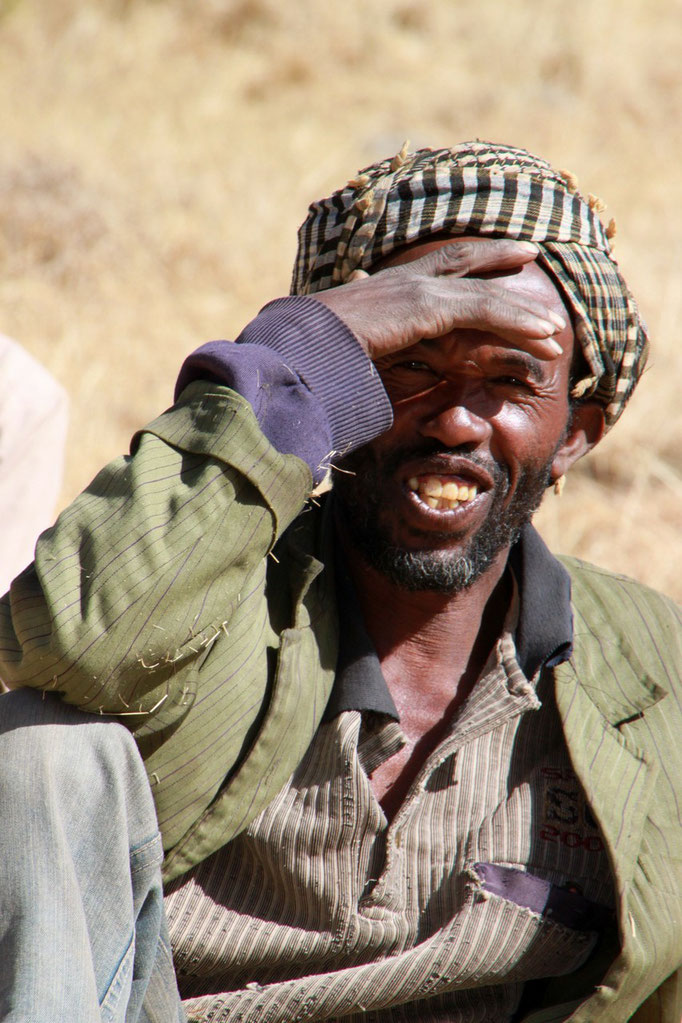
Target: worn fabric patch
563	905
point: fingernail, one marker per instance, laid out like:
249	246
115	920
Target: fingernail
549	340
556	318
528	247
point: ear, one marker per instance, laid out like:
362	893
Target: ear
585	431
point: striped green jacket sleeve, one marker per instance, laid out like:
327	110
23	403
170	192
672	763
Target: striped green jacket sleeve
152	582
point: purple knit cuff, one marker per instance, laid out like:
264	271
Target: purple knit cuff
308	381
328	358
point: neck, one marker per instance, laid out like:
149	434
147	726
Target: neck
443	639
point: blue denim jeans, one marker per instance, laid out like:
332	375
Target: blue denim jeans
83	935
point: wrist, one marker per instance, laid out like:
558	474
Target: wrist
327	356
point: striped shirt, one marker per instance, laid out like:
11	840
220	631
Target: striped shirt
322	910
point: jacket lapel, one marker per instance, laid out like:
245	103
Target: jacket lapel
602	688
615	775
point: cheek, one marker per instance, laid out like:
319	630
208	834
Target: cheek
407	417
530	432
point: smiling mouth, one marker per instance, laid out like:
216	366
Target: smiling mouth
441	493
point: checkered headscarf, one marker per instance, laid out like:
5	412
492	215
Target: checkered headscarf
487	189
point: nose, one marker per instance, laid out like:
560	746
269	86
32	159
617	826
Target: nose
454	422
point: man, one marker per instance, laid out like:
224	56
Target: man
410	767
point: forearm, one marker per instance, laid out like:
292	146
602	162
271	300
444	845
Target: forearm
136	576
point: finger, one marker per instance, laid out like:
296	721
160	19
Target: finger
519	318
461	258
357	275
487	289
524	328
548	319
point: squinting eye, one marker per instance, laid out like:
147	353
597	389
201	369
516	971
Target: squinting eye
408	378
511	382
413	365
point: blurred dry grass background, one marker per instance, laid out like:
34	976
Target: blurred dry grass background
158	155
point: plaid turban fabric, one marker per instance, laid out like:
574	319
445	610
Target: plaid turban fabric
480	188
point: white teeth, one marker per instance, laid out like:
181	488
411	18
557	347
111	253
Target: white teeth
441	496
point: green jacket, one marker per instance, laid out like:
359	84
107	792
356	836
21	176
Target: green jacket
154	599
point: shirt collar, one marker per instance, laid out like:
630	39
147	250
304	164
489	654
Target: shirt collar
544	631
359	682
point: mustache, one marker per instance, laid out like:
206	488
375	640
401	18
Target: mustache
364	461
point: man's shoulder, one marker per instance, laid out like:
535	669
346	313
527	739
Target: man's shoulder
616	593
625	625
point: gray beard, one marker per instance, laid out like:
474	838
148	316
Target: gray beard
443	571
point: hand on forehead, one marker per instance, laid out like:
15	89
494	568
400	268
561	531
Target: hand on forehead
524	280
442	290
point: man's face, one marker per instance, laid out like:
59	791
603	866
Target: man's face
480	429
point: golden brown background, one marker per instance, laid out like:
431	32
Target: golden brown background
157	157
